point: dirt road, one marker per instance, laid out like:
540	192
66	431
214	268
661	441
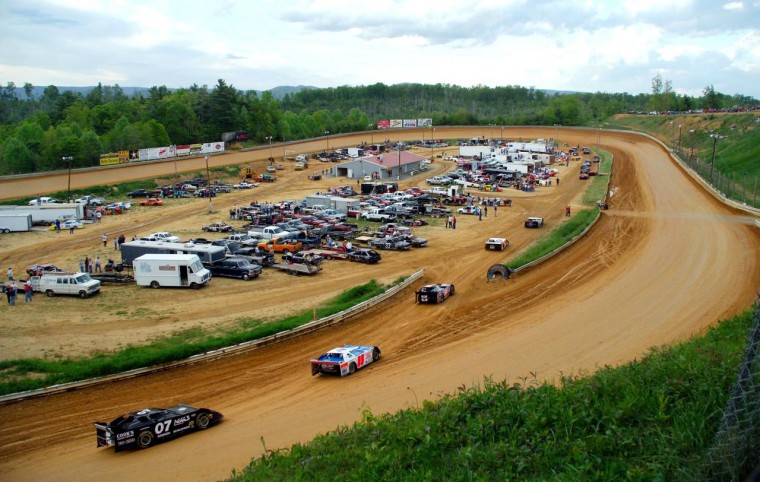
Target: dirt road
662	264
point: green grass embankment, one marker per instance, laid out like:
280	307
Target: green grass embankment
649	420
33	373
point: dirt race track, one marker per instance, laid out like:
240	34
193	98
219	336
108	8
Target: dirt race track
665	262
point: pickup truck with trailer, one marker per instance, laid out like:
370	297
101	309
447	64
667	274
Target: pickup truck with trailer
265	177
244	239
235	267
267	232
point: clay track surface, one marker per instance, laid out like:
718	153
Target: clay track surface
664	263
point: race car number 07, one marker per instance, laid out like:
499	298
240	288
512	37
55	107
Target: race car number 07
162	427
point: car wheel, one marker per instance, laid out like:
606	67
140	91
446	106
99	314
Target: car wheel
154	284
246	277
376	354
351	368
49	293
203	421
194	286
83	294
440	297
451	293
145	440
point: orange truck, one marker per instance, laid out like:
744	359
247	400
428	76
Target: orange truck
281	245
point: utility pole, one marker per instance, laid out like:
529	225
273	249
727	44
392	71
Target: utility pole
69	159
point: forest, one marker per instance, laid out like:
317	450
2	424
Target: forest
38	131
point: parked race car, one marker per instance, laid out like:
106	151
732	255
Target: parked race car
217	228
151	201
344	360
434	294
468	210
368	256
68	224
534	222
145	427
497	244
38	269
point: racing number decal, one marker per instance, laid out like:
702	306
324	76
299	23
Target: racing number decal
360	361
163	427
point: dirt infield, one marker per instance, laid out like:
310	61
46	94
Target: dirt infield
662	264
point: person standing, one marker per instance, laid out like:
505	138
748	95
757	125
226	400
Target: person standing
454	222
12	292
98	268
115	243
495	208
28	291
480	214
557	182
81	266
86	264
10	274
8	289
567	211
98	216
57	225
104	238
71	229
485	210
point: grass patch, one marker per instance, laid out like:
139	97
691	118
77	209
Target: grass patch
29	374
600	183
561	235
649	420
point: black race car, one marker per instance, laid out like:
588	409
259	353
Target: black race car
369	256
145	427
434	294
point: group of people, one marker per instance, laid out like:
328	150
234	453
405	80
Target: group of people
451	222
11	289
88	265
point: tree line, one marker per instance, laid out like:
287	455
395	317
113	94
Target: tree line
38	132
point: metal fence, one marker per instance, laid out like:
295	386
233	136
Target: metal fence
735	454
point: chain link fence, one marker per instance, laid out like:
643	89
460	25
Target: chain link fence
735	454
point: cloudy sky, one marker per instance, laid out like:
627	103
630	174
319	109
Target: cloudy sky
577	45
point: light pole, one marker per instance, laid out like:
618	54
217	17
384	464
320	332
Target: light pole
69	159
715	138
271	159
432	141
208	183
398	147
501	135
327	133
691	144
680	128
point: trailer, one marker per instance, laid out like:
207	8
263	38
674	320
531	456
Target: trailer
46	214
16	223
208	253
298	268
325	253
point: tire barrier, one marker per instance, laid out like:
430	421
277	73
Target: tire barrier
499	270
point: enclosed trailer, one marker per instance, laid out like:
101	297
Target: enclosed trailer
208	253
15	223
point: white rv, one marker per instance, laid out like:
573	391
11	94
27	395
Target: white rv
181	270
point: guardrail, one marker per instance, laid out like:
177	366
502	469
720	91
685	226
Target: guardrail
216	354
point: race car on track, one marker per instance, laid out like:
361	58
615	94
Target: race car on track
145	427
534	222
497	244
434	294
344	360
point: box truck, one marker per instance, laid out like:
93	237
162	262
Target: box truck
15	223
180	270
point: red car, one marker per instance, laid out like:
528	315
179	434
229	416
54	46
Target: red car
152	201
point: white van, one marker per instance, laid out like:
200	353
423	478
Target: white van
59	283
181	270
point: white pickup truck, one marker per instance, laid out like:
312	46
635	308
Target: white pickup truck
267	232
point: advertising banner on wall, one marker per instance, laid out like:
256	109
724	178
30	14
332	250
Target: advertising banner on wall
123	157
424	122
183	150
410	122
383	124
212	147
109	158
396	123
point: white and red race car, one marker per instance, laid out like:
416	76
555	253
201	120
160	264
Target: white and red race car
344	360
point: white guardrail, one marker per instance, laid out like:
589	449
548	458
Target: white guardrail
235	349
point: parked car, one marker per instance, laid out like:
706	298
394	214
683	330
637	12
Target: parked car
68	224
392	243
468	210
143	428
363	255
244	185
534	222
162	236
217	228
139	193
344	360
39	269
583	176
235	267
435	293
151	201
497	244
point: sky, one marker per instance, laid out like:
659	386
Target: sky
610	46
